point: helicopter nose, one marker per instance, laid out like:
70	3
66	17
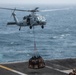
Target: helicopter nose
43	23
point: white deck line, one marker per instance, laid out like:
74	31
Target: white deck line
12	70
63	71
67	71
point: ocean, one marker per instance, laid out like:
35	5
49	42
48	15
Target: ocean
56	41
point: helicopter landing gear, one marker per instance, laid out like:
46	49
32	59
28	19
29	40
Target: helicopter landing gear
20	28
42	26
30	27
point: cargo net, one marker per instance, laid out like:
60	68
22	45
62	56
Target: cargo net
73	72
36	61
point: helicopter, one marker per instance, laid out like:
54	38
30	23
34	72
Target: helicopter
30	20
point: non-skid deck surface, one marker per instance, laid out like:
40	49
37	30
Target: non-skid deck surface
53	67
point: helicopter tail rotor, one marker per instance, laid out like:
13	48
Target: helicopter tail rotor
13	13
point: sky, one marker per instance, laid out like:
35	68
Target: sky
38	1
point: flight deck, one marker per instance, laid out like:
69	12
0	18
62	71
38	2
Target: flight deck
53	67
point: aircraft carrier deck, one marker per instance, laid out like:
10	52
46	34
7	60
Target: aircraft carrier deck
53	67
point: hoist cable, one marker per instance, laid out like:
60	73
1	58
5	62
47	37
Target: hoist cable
35	48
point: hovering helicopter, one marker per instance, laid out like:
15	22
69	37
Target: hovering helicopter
30	20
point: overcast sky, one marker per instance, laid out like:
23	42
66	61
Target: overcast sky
38	1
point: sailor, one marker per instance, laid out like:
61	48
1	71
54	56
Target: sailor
25	17
28	19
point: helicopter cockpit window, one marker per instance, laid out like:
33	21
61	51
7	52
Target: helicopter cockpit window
41	18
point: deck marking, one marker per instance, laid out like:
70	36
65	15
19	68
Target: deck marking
12	70
63	71
67	71
60	66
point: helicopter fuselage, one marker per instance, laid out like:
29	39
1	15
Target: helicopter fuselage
31	20
34	20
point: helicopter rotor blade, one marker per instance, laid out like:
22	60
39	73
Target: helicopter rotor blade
35	10
50	10
14	9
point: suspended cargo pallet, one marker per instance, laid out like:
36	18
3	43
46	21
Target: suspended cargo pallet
36	62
